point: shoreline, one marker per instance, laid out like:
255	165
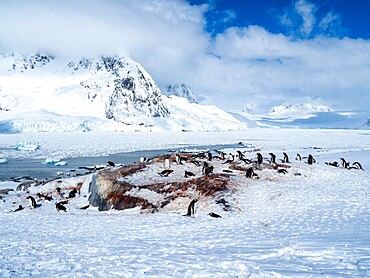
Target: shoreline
14	168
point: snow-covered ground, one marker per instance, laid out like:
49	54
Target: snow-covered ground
73	144
311	225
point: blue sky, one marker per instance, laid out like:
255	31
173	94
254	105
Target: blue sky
352	15
234	54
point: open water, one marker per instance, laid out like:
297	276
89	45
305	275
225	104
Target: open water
35	169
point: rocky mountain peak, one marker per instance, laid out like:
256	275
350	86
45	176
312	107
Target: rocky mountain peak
28	62
124	85
182	90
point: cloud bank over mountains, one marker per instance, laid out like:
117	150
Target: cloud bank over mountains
241	66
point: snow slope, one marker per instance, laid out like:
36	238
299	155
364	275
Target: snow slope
315	224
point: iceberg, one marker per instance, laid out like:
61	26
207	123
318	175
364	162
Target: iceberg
61	163
27	146
3	160
55	162
195	150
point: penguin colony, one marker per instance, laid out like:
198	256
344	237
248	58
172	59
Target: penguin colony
207	162
253	166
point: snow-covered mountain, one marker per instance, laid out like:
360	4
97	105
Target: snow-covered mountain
41	92
182	90
306	115
296	110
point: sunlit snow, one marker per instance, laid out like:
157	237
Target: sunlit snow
315	224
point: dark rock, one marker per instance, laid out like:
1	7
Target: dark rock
5	191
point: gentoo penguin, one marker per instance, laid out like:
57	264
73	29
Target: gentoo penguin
191	208
273	158
167	163
110	164
142	159
286	158
250	173
282	171
72	193
85	207
230	159
59	206
246	160
189	174
298	157
310	159
357	165
215	215
259	158
227	171
46	197
32	202
195	162
178	159
345	164
58	192
210	156
207	169
19	208
240	155
165	173
335	164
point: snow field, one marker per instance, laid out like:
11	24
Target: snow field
315	224
281	229
74	144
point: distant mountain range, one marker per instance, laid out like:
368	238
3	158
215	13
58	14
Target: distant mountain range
307	116
43	93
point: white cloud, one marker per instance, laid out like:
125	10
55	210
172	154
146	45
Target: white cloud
101	27
239	66
306	10
274	67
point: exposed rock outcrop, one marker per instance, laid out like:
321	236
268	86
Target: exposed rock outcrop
114	189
